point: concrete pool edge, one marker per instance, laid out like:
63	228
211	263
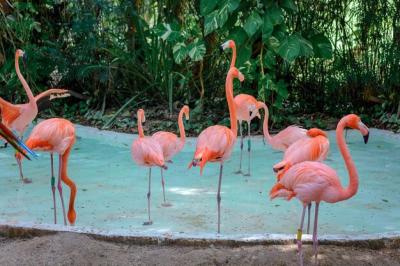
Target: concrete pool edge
372	241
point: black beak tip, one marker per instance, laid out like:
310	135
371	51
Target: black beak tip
275	170
366	138
221	50
25	58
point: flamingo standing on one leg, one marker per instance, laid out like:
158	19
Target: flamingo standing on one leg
316	182
314	148
215	143
56	135
286	137
19	116
245	104
146	151
171	144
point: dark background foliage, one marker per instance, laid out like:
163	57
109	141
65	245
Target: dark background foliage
308	60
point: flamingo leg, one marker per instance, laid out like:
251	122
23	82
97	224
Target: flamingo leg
53	187
248	147
21	174
165	204
149	222
299	235
308	219
241	149
219	197
59	186
315	238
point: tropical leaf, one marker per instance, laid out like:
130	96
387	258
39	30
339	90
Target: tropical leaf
239	35
289	5
180	52
267	27
206	6
253	23
275	14
197	50
290	48
322	46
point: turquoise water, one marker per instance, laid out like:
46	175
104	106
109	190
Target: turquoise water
112	190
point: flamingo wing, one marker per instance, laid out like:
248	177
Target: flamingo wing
288	136
9	112
169	142
147	152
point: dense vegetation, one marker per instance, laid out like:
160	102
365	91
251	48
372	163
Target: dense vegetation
308	60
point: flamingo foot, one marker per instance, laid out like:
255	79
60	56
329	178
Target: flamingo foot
166	204
148	223
239	172
248	174
26	180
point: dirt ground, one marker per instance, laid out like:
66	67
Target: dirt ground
78	249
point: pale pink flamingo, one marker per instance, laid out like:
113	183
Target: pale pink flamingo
19	116
215	143
147	152
171	144
245	104
286	137
314	148
315	182
56	135
246	110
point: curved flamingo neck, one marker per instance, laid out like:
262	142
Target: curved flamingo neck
233	60
352	188
265	124
23	81
140	128
181	127
231	103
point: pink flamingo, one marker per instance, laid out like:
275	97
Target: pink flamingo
171	144
147	152
315	182
245	104
56	135
215	143
283	139
314	148
19	116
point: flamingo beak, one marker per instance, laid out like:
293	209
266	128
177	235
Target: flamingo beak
366	138
364	131
24	59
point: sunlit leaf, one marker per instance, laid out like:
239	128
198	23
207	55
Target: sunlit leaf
179	52
197	51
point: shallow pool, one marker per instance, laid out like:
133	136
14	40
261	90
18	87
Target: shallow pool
112	190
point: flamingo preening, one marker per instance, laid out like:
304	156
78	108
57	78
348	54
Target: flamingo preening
56	135
215	143
18	116
246	110
312	181
147	152
171	144
314	148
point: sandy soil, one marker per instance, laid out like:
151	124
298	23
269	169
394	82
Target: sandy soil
77	249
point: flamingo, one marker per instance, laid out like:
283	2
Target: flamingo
312	181
18	145
171	144
19	116
286	137
245	104
314	148
56	135
147	152
215	143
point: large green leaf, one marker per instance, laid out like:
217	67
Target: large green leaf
244	53
232	5
206	6
273	43
275	14
289	5
269	59
238	35
290	48
267	27
253	23
215	19
197	50
306	48
180	52
322	46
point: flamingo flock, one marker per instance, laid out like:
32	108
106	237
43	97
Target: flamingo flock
301	174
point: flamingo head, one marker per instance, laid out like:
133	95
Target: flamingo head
234	72
281	168
228	44
354	121
21	53
185	109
